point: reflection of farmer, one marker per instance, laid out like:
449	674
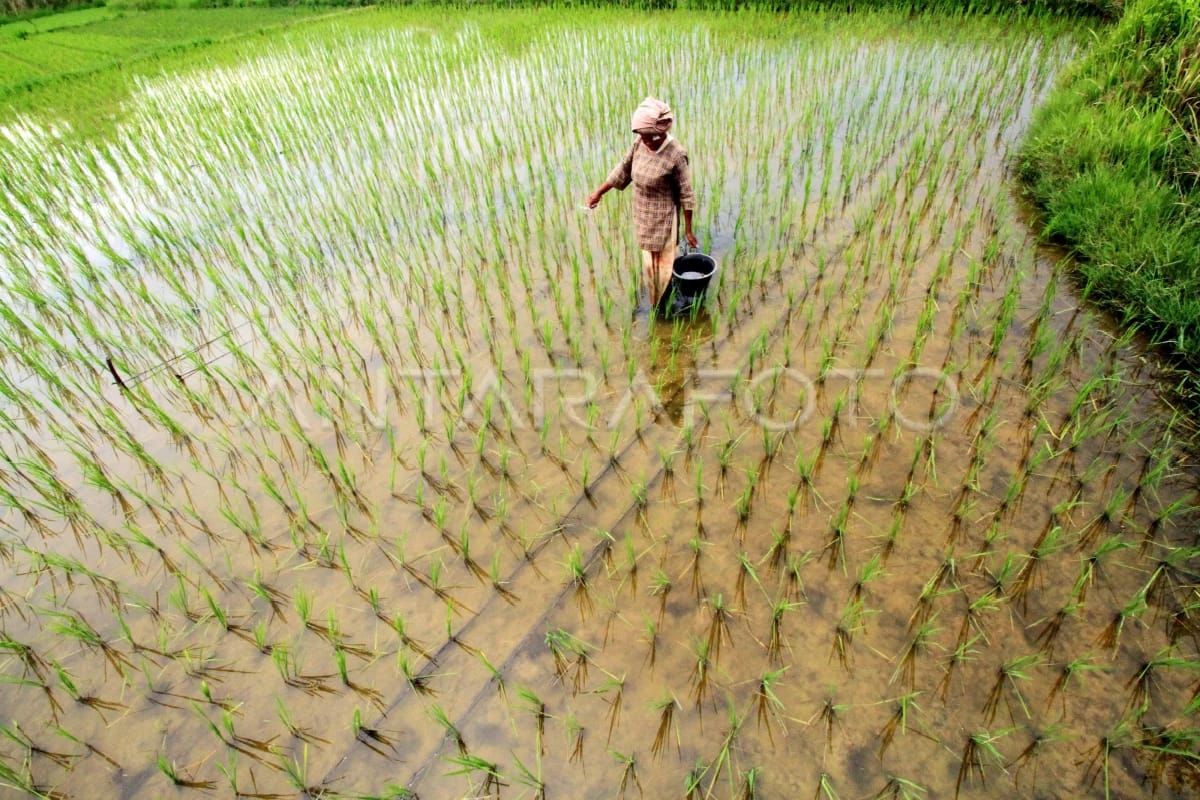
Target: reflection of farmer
658	166
671	351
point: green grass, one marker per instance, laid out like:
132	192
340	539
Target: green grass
1113	160
45	51
28	26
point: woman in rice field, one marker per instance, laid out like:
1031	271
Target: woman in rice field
658	166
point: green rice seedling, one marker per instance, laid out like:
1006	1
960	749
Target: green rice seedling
1145	680
167	767
271	595
666	708
976	612
497	676
631	562
650	637
639	497
570	655
31	661
805	469
870	571
746	569
825	787
577	577
718	628
693	782
778	552
440	718
851	621
1030	757
905	705
920	641
750	784
1048	635
793	578
21	779
1163	746
90	748
660	587
701	675
614	686
745	501
1110	515
979	752
575	733
531	779
830	716
468	765
401	628
1117	738
897	788
1093	565
216	610
1027	577
725	755
667	468
628	764
67	682
1110	636
537	707
766	701
73	626
696	545
930	591
295	729
464	552
775	638
1007	675
17	736
725	459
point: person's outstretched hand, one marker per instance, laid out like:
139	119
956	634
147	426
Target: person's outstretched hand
593	200
691	239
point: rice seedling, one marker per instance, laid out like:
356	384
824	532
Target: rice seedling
920	642
897	788
979	753
1007	675
628	773
490	783
718	628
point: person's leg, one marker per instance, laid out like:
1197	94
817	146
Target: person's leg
657	266
649	271
662	271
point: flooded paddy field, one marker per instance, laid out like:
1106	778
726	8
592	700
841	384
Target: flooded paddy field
342	458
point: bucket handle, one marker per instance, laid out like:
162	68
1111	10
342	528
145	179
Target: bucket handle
684	247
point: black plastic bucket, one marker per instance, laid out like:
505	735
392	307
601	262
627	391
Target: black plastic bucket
690	275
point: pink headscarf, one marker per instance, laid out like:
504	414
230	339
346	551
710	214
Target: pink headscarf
653	114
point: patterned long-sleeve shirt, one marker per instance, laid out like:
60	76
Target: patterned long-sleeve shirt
662	179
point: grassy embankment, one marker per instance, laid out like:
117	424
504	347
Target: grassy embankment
1113	160
79	65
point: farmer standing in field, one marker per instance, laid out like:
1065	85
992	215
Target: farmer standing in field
657	164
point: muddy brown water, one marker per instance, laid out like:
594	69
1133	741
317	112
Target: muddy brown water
896	427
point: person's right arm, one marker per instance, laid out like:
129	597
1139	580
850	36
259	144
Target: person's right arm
618	179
